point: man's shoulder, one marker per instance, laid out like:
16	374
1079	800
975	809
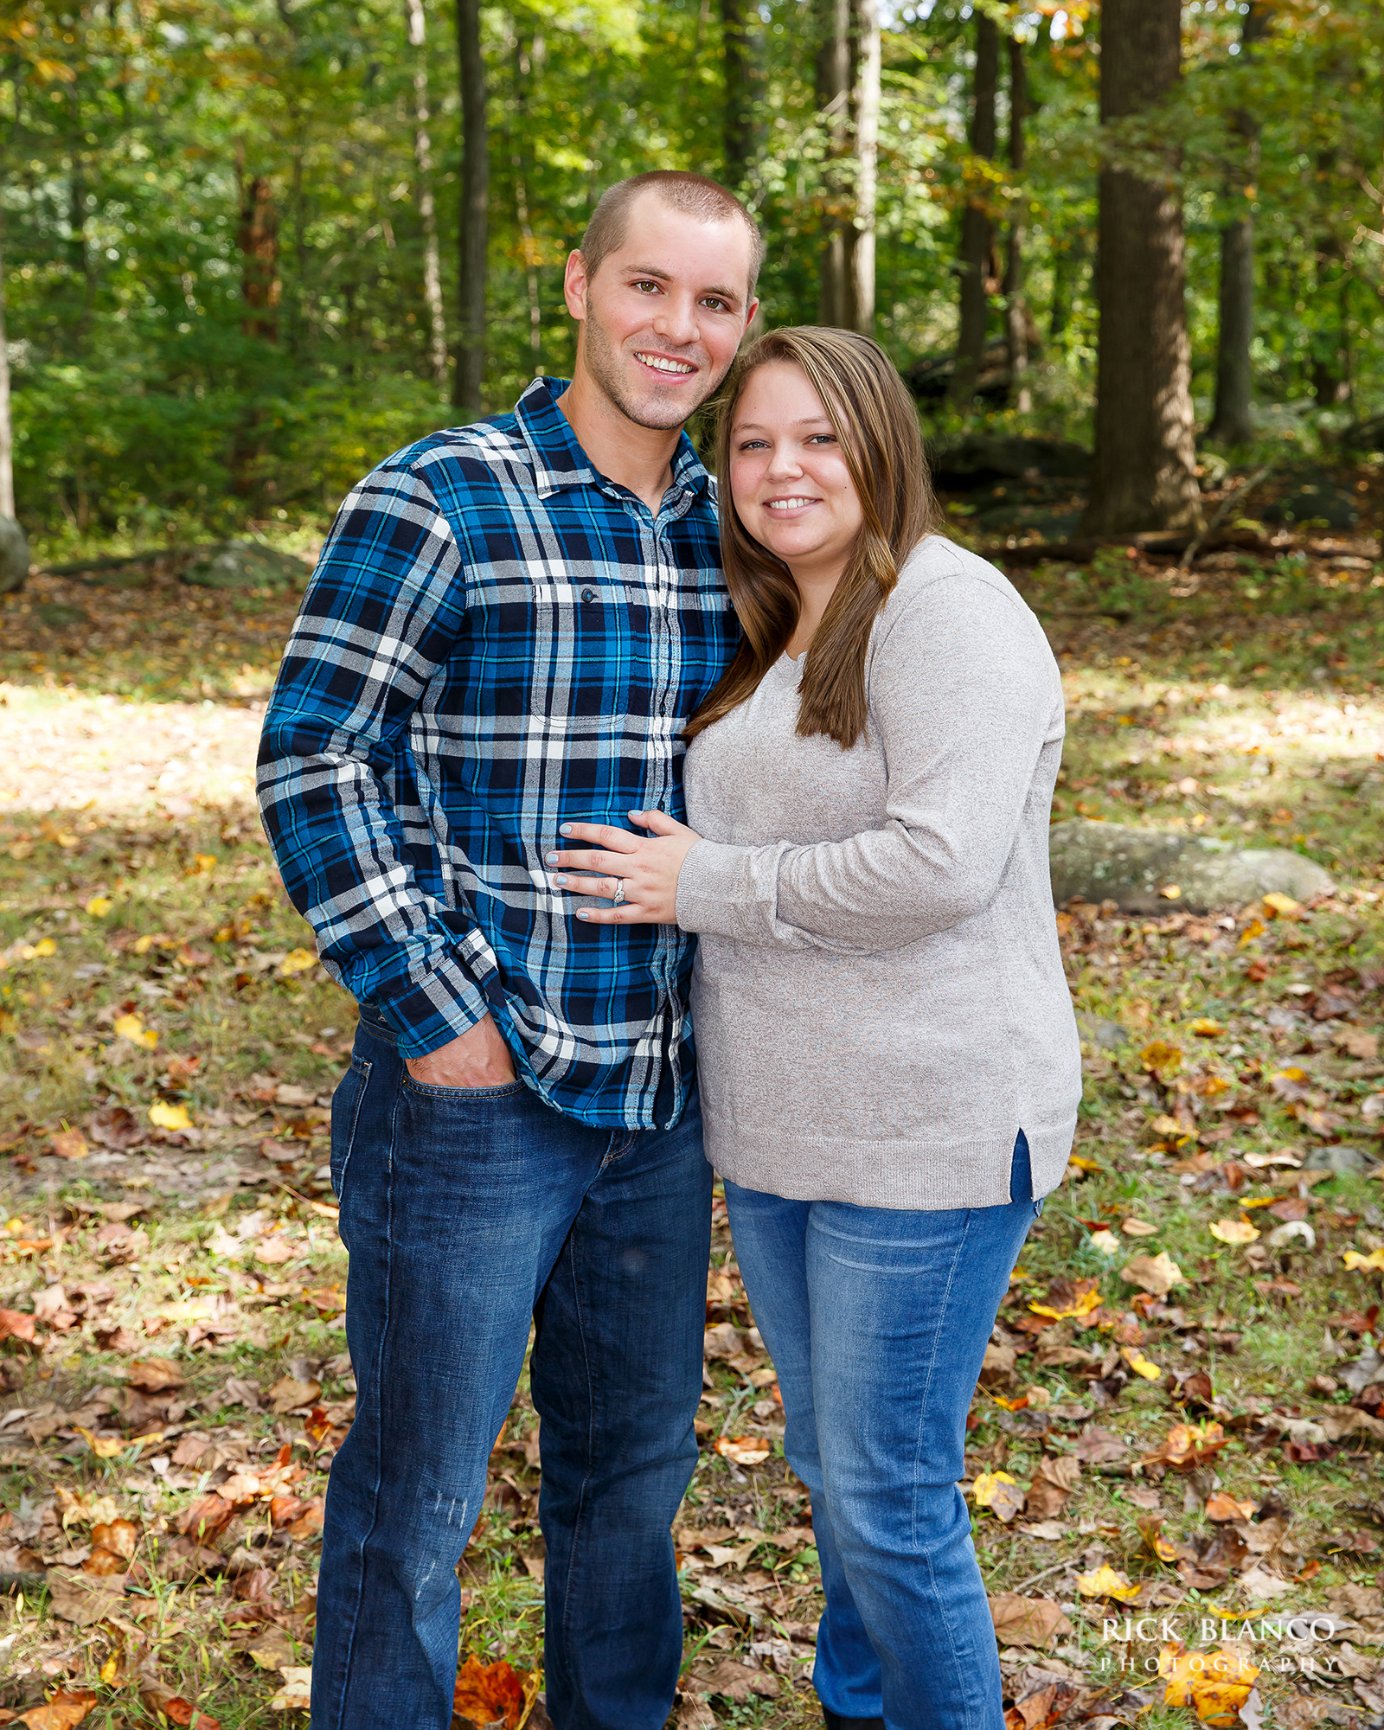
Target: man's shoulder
463	457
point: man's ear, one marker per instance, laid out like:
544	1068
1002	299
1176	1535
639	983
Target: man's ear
574	281
751	314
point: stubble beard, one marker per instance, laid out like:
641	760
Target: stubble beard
605	363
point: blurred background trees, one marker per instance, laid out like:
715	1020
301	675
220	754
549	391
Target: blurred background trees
250	246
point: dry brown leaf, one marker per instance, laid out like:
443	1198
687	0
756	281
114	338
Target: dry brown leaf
731	1680
1153	1273
154	1375
1021	1621
64	1711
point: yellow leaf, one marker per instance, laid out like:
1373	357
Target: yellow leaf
1082	1163
9	1023
99	906
1141	1365
987	1486
1000	1493
132	1027
1105	1242
1171	892
743	1450
1234	1230
296	961
1088	1301
1207	1028
110	1672
42	949
1280	906
1214	1684
202	863
1105	1582
1255	929
1353	1259
165	1116
1161	1058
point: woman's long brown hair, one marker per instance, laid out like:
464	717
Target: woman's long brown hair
876	425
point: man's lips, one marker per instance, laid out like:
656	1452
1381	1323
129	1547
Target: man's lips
668	366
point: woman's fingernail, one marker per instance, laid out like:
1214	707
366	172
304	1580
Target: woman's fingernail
582	913
565	829
551	859
561	882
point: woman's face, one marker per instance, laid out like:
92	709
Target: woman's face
788	476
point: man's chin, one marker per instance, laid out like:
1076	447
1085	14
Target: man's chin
662	413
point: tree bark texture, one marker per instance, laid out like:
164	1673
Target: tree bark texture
834	80
1232	421
6	431
1016	314
741	60
427	204
257	238
865	96
977	238
467	392
1144	474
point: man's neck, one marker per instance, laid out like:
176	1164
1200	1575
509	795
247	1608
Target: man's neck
637	457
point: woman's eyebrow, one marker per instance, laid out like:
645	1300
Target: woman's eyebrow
809	420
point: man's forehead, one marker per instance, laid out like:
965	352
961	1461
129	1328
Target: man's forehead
672	243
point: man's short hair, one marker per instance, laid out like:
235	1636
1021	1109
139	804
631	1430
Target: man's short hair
695	195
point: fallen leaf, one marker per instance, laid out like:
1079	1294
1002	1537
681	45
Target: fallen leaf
1141	1365
165	1116
1021	1621
1188	1445
132	1028
1234	1230
1107	1582
744	1450
154	1375
1000	1493
83	1599
1221	1506
64	1711
296	1693
1214	1684
1153	1273
15	1325
731	1680
296	961
1373	1261
494	1693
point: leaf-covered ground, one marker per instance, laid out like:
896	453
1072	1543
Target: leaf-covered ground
1176	1448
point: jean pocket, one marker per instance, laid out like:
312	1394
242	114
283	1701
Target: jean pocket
461	1095
346	1104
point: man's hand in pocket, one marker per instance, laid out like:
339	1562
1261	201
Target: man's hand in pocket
477	1058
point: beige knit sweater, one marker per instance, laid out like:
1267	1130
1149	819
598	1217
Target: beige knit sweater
879	1004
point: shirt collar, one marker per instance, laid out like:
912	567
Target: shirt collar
558	459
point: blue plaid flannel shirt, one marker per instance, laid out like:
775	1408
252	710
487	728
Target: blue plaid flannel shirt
496	640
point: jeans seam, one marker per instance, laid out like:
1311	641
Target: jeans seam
380	1356
931	1371
570	1651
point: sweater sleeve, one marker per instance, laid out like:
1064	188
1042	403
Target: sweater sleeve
964	693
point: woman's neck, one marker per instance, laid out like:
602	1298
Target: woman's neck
815	590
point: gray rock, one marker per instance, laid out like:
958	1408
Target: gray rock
1317	502
14	556
1131	867
1343	1159
1100	1031
245	565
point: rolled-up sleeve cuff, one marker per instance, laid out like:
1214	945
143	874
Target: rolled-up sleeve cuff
717	894
431	1011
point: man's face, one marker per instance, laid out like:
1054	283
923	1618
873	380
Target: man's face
663	316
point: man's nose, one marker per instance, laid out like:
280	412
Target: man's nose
676	320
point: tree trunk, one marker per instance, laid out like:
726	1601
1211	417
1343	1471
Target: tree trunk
1144	475
865	138
1015	308
475	191
834	104
1232	422
519	158
1330	373
257	238
6	431
427	207
743	130
976	236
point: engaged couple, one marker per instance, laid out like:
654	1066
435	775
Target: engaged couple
650	844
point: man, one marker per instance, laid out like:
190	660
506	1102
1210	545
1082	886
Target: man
507	628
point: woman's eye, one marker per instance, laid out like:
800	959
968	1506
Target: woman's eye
822	439
752	445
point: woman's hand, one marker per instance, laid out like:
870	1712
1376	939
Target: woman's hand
644	867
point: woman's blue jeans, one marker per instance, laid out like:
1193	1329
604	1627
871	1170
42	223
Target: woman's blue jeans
877	1320
469	1213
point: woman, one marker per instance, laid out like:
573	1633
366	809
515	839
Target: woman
886	1047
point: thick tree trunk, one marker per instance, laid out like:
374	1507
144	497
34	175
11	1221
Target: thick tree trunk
257	238
6	431
834	104
865	130
427	206
743	130
1015	309
1232	421
1145	459
467	393
977	239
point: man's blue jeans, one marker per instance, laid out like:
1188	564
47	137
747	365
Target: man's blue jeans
467	1212
877	1320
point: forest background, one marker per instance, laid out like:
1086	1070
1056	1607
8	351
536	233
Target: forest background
1131	259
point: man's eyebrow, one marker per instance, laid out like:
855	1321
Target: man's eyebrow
665	276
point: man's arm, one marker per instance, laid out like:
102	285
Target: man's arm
378	620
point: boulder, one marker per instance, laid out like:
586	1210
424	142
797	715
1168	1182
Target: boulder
14	556
1132	867
245	565
1316	502
968	464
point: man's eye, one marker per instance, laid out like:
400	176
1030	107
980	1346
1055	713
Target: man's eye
716	303
647	282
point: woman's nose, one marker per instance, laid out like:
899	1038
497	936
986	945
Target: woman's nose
783	460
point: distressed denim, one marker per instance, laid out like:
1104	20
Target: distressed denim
467	1213
877	1320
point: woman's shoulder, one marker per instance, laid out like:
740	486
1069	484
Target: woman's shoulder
941	580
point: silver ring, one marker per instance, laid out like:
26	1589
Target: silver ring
618	898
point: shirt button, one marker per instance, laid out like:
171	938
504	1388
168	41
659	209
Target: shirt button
588	594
